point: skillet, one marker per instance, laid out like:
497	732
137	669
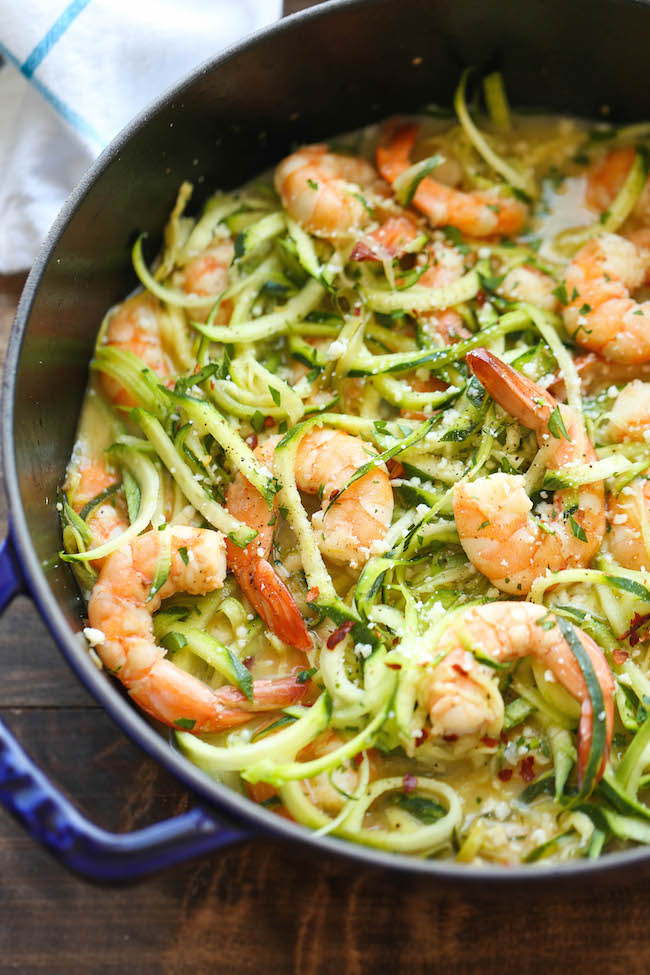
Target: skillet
327	70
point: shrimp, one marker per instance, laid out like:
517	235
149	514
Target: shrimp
492	513
477	214
390	240
629	417
321	190
446	265
348	531
525	283
601	314
257	578
208	274
329	790
121	608
109	518
628	513
354	527
460	693
135	325
606	178
596	373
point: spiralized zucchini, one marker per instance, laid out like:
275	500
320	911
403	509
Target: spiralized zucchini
255	321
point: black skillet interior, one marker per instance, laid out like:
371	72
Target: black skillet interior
331	70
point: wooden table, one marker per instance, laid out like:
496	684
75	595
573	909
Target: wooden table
262	907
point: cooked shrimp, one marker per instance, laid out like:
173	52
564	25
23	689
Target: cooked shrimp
135	325
601	314
256	576
606	178
329	790
321	190
446	265
120	607
355	525
492	513
207	274
460	693
597	373
109	518
477	214
350	531
391	239
629	417
525	283
628	513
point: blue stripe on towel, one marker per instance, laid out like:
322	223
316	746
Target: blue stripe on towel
72	118
54	34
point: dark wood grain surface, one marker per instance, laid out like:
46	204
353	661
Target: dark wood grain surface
264	906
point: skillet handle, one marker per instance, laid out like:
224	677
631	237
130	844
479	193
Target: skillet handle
51	819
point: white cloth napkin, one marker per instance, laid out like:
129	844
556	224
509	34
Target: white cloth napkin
75	72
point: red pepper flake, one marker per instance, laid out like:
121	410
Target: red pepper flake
503	737
636	623
409	784
424	734
335	493
252	441
339	634
357	759
395	641
450	737
248	662
527	768
505	774
356	310
269	421
395	469
460	670
394	666
481	298
620	656
313	594
490	742
362	252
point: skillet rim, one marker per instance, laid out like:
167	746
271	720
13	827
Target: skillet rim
222	800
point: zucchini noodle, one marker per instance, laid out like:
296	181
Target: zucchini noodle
365	461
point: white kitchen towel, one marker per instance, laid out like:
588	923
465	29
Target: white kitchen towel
75	72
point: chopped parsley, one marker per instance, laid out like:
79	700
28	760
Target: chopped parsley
556	425
577	530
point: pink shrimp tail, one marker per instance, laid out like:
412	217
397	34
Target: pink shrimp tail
394	155
165	691
517	395
268	695
270	599
475	214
